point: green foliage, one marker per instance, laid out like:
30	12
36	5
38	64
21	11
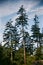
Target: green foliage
39	54
30	60
18	57
35	29
38	62
4	59
1	54
8	33
12	36
22	19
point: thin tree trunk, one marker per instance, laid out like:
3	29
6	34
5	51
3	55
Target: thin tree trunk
11	55
40	48
11	48
24	47
24	56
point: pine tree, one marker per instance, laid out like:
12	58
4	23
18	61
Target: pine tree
10	37
22	20
37	36
36	30
42	37
8	33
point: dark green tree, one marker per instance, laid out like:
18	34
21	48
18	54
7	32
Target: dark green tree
36	30
42	38
4	59
28	43
22	21
10	36
37	36
1	54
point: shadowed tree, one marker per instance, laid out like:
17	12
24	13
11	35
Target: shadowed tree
36	30
1	54
22	21
10	36
42	38
36	36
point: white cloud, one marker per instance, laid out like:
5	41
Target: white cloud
1	25
1	30
10	8
14	18
3	43
38	11
1	37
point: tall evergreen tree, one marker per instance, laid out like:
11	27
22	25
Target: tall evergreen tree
8	33
36	36
10	36
42	35
36	30
22	20
41	39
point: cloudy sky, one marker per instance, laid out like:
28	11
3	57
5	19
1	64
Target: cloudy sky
9	8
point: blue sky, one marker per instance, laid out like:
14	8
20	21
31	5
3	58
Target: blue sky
9	8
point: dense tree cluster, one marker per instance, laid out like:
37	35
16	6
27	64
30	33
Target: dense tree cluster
19	45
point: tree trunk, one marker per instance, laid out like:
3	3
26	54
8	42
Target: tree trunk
11	47
24	47
24	56
11	55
